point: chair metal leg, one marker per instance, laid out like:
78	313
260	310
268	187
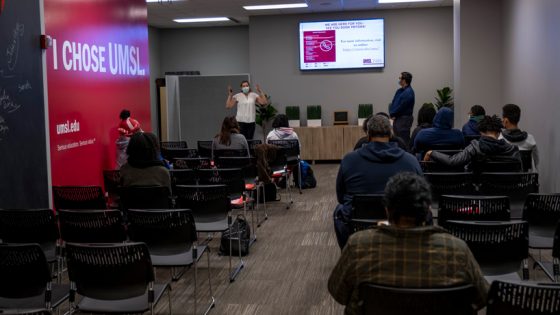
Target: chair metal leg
233	273
195	256
169	301
212	299
259	223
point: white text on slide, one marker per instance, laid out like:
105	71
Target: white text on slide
68	127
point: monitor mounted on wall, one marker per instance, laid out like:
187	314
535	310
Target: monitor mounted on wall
343	44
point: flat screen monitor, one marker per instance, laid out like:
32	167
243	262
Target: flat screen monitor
345	44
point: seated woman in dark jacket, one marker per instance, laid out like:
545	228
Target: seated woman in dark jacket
144	167
478	152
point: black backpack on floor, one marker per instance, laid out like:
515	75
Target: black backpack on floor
239	227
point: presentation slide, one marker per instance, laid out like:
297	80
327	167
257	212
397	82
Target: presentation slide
350	44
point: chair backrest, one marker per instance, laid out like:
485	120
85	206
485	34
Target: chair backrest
231	177
556	242
435	167
92	226
367	209
248	165
252	144
542	209
230	153
145	197
288	151
28	226
515	185
165	231
526	160
498	166
24	270
112	181
204	148
193	163
209	203
109	271
449	183
173	153
78	197
473	208
173	145
183	177
379	299
505	298
503	244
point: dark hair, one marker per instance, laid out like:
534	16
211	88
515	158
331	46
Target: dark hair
490	124
478	110
379	126
280	121
143	150
125	113
426	114
244	81
407	77
408	195
229	126
384	114
512	112
364	125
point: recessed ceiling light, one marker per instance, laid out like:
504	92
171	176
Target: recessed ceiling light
275	6
200	20
402	1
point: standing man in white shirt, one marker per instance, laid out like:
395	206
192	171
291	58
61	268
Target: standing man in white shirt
246	101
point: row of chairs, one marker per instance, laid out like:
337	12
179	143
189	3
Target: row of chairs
526	164
179	149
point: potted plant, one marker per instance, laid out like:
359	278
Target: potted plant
314	116
265	114
293	115
444	98
364	111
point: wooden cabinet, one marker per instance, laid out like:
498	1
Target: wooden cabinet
327	143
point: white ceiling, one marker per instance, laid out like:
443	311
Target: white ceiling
162	13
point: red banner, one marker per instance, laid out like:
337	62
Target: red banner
97	66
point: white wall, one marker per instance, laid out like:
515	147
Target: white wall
417	40
530	79
478	56
212	51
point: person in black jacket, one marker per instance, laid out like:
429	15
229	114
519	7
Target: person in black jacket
367	170
440	136
426	115
488	148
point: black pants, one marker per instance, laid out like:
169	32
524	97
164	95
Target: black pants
401	128
247	129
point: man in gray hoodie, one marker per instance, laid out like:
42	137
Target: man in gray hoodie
511	115
367	170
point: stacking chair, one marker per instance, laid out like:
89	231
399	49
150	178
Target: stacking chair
26	281
252	144
542	211
174	153
113	278
435	167
287	157
552	269
182	177
515	185
204	148
473	208
145	197
173	145
218	153
449	184
172	240
499	167
211	209
499	247
33	226
367	210
192	163
507	298
112	182
78	197
92	226
380	299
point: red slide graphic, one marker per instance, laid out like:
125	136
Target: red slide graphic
319	46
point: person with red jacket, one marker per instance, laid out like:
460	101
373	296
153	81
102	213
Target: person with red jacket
128	126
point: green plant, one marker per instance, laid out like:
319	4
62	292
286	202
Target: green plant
444	98
292	112
365	110
314	112
265	113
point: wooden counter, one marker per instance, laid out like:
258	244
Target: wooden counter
327	143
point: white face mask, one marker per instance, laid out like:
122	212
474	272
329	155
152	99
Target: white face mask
245	89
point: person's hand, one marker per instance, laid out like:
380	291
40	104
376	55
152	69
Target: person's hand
427	156
230	91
